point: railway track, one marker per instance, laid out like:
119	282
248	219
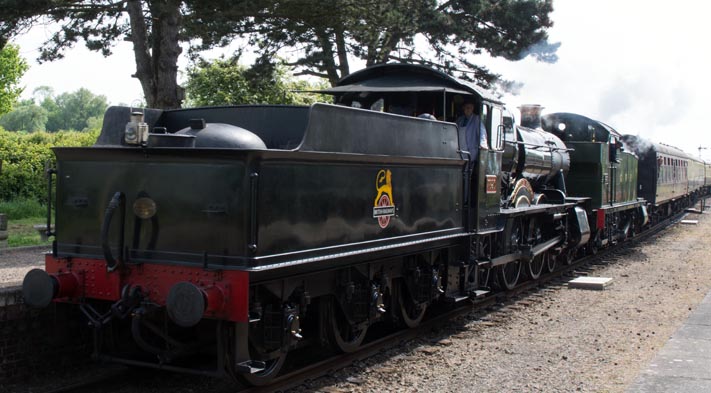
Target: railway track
493	308
490	311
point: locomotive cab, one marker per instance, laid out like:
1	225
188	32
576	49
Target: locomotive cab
417	91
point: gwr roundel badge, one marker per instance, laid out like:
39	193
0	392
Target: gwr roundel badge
384	208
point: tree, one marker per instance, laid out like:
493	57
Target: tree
71	111
226	82
329	32
152	26
12	67
324	33
79	110
26	117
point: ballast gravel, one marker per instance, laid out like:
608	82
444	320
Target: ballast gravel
16	262
558	339
555	339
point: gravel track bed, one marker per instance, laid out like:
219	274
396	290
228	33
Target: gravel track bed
16	262
553	340
559	339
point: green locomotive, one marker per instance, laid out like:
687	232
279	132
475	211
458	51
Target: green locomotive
602	169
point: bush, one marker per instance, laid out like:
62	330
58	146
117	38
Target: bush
22	208
24	157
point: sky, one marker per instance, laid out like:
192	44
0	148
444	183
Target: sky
642	67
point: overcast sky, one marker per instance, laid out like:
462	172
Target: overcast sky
642	67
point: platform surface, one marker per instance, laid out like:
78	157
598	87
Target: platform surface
684	363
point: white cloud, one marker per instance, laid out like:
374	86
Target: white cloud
640	66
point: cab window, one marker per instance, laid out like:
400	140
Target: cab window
497	129
485	121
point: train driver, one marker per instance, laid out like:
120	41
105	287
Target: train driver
474	130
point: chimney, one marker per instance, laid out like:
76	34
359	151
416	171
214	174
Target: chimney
531	115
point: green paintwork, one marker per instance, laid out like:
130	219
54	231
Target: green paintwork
488	205
593	175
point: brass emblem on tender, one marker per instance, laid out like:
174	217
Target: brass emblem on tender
383	207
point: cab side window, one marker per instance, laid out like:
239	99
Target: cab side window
497	129
485	117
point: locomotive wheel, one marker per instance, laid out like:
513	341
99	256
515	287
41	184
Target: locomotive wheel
266	376
484	275
594	244
344	336
550	261
633	227
535	266
509	273
484	252
411	312
567	256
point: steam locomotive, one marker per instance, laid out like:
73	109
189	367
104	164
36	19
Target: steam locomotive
217	240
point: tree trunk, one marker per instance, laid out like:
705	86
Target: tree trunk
329	64
166	50
342	53
157	67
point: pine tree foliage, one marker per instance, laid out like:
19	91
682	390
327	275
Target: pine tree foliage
321	37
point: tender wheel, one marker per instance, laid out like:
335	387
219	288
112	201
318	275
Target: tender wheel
266	376
535	266
344	336
410	312
509	273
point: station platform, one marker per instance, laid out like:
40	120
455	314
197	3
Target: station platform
684	363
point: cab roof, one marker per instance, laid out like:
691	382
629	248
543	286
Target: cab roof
402	78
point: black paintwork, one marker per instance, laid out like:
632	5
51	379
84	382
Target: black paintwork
243	208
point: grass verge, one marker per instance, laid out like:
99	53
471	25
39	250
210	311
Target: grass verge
23	208
22	232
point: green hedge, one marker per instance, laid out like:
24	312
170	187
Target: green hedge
24	155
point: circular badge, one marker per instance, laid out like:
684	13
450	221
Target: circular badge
384	200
